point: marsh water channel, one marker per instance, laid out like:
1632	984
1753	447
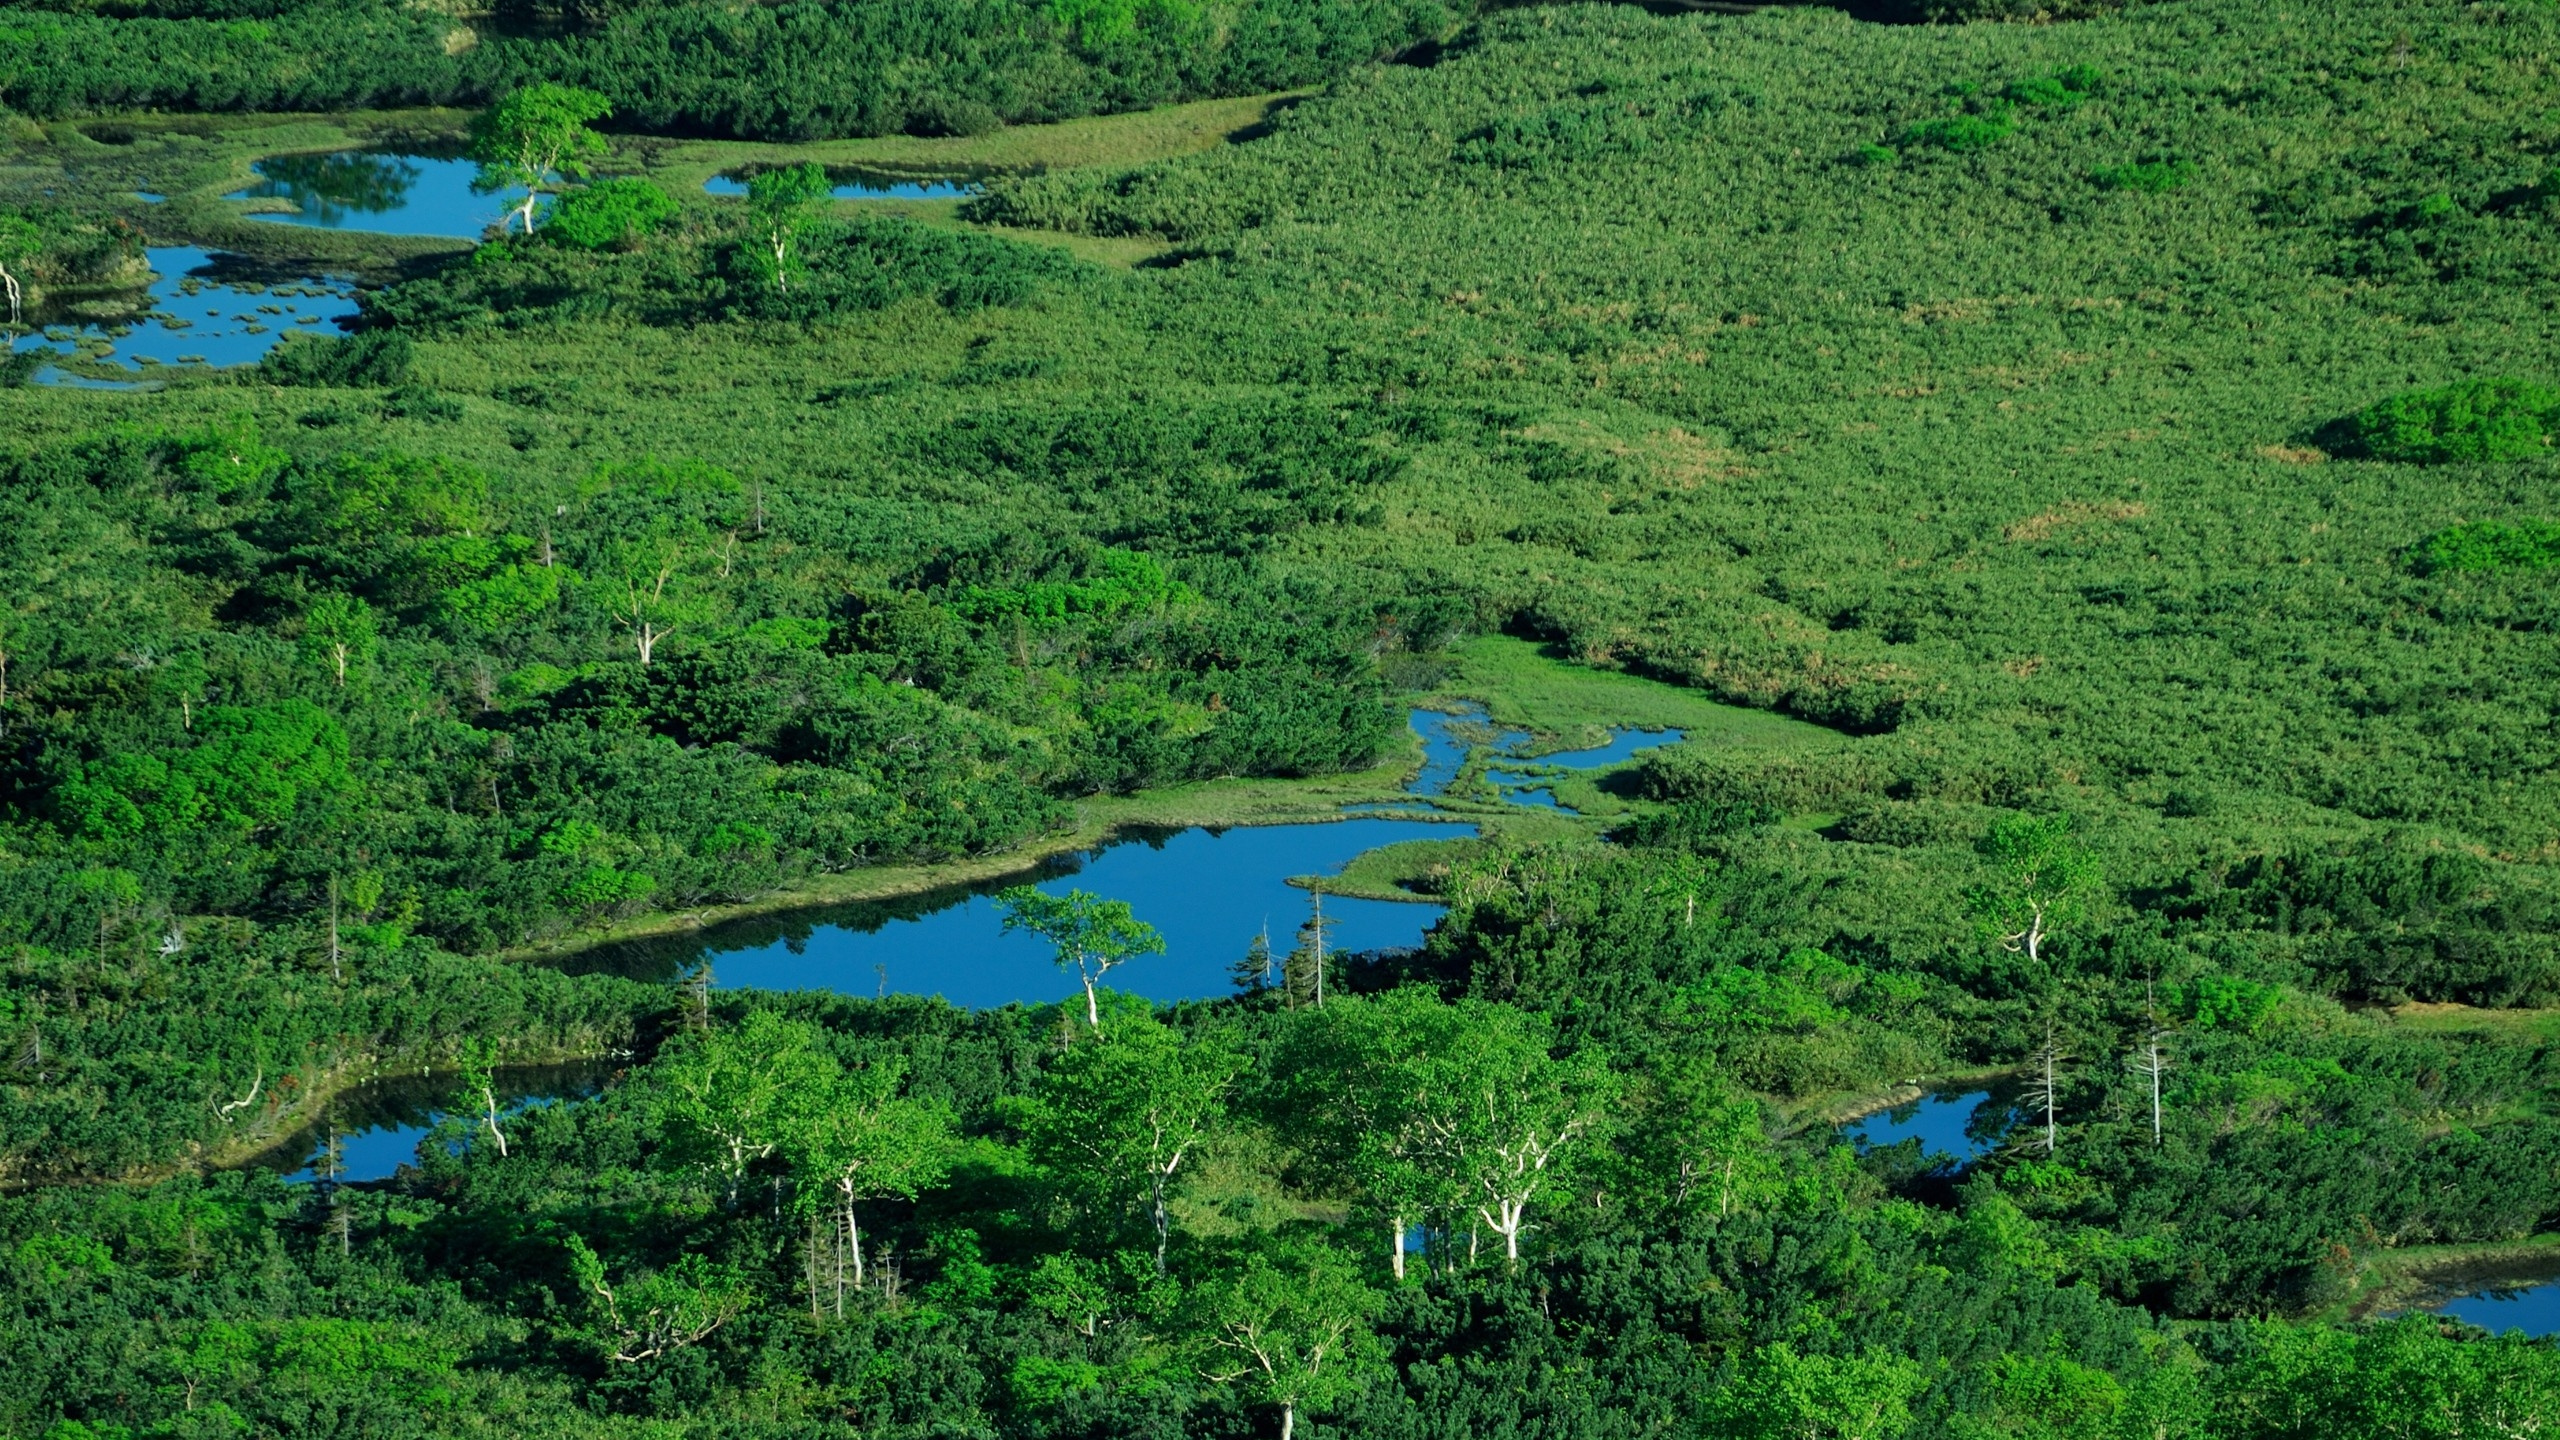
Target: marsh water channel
1210	891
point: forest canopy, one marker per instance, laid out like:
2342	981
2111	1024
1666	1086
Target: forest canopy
2085	489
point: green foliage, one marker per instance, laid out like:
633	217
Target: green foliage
2488	545
616	214
802	70
371	358
535	138
1961	134
2147	177
1125	581
2477	420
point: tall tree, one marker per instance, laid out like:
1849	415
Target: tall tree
863	1141
1290	1331
781	204
1118	1116
1094	936
2042	881
18	244
537	137
740	1094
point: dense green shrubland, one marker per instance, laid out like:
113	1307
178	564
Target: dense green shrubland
2147	464
794	71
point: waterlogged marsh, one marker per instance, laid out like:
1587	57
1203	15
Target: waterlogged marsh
1450	737
204	308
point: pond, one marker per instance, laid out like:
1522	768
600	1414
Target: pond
2499	1301
870	185
378	191
1209	891
1945	1123
377	1127
205	308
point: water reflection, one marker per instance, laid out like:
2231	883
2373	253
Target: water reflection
376	1128
1960	1125
1211	892
379	192
869	185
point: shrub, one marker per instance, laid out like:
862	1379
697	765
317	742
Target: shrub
2063	89
2149	177
2488	545
372	358
2497	419
1962	134
609	215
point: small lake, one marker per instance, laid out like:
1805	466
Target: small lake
378	1126
1209	891
206	308
869	185
1944	1123
378	191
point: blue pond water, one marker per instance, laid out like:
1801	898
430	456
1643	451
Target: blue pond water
2535	1310
1209	891
1939	1122
384	193
875	187
207	309
378	1127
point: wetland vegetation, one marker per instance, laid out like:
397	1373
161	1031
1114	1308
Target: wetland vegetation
2048	527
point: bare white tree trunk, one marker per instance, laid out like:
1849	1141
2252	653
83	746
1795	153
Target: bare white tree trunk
1397	1224
489	1100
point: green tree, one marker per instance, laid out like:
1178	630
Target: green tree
781	204
1094	936
1354	1089
19	242
339	630
1289	1331
537	137
1516	1116
2042	881
1118	1116
1781	1395
646	1316
861	1141
742	1094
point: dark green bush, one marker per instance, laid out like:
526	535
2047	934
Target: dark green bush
1962	134
372	358
2497	419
